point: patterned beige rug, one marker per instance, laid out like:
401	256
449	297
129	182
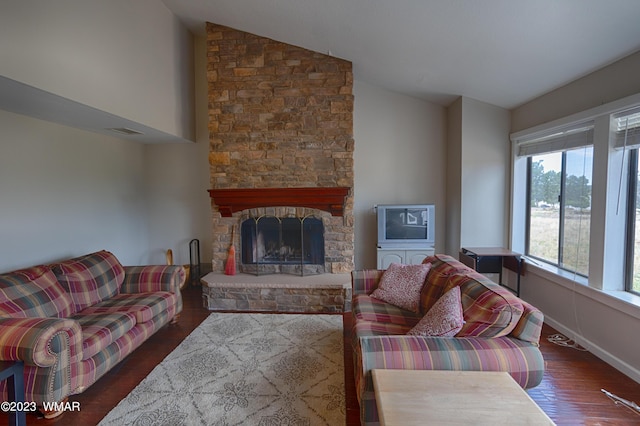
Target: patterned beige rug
245	369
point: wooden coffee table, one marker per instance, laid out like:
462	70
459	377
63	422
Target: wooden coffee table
421	397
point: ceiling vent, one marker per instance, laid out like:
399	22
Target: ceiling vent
125	131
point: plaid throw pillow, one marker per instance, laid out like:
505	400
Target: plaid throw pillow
91	279
446	272
33	292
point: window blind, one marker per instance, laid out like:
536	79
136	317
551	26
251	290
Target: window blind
627	128
560	140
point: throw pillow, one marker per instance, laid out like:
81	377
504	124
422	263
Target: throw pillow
445	273
489	309
400	285
91	278
444	319
34	292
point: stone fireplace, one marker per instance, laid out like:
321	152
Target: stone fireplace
281	147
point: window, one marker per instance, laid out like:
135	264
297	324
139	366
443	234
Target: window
560	208
559	169
576	199
627	134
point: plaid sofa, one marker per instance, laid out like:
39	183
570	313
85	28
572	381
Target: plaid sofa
501	331
72	321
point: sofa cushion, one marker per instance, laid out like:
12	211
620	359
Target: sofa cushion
144	306
34	292
368	308
522	360
369	328
445	273
90	279
489	309
150	278
444	319
365	280
100	330
400	285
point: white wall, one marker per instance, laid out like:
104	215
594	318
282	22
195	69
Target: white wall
177	181
131	59
453	182
477	175
484	174
399	158
66	192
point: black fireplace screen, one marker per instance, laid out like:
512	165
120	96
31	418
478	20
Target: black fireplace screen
282	241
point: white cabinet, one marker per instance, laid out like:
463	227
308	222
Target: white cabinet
387	257
405	256
415	257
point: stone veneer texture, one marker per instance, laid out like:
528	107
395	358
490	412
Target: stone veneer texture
279	116
326	300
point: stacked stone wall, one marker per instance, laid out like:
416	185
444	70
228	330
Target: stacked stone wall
280	116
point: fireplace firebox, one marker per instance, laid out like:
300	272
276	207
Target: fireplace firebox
330	205
285	245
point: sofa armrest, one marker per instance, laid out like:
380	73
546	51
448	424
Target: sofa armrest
529	327
364	281
522	360
150	278
39	341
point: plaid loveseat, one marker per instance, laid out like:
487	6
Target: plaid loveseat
72	321
501	332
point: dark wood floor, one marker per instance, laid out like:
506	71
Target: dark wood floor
570	392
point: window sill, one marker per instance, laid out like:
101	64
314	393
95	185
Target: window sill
619	300
553	273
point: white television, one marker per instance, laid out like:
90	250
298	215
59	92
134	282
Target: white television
406	225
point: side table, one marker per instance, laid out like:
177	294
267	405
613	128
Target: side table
13	373
492	260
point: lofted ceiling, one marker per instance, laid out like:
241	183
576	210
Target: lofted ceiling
503	52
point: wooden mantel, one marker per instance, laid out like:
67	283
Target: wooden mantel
330	199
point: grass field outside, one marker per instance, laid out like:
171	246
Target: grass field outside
544	236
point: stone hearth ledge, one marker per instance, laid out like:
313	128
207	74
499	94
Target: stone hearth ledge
277	292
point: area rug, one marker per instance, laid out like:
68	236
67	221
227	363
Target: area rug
245	369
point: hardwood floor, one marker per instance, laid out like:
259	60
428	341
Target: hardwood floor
570	392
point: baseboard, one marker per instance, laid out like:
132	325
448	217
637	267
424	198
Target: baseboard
596	350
